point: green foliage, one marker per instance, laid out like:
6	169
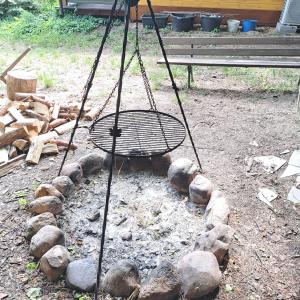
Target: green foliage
34	293
12	8
31	266
79	296
22	202
46	79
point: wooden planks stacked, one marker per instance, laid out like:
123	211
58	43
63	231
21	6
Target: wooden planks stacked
32	126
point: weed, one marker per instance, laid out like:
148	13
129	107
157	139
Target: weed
79	296
22	202
46	79
72	250
31	266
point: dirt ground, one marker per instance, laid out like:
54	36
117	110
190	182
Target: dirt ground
225	116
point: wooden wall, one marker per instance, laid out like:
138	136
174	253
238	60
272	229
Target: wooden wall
267	12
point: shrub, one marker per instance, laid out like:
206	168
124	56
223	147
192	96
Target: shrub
12	8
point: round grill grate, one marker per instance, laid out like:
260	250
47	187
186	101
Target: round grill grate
141	133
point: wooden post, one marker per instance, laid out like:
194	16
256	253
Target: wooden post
61	8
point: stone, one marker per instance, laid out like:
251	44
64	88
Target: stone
121	163
217	211
216	240
160	164
54	262
64	184
200	190
34	224
46	204
81	275
139	163
91	163
181	173
45	239
126	236
121	279
200	274
46	189
163	283
73	171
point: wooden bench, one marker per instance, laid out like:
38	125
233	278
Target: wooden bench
262	52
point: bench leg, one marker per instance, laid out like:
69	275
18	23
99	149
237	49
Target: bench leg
190	76
298	101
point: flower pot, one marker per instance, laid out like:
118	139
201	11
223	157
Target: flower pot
182	22
233	25
211	22
161	20
249	25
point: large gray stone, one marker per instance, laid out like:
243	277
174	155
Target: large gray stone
64	184
91	163
82	275
217	211
200	274
216	240
54	262
121	279
163	283
181	173
200	190
34	224
45	239
74	171
46	204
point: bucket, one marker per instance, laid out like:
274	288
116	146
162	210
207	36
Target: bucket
182	22
233	25
211	22
249	25
161	20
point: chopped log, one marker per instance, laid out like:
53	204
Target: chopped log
3	155
6	120
3	109
20	144
16	114
41	108
11	165
65	127
23	96
45	138
55	111
33	131
45	127
20	82
35	151
57	123
12	152
63	144
40	100
70	116
24	105
9	137
26	122
92	114
33	114
50	149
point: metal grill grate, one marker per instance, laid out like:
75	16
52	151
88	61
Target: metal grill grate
143	133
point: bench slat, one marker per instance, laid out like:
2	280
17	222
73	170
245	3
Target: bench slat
235	52
232	62
283	40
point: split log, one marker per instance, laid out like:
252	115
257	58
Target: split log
55	111
33	114
92	114
20	82
15	113
24	105
70	116
57	123
12	152
45	127
6	120
26	122
4	109
65	127
35	151
50	149
41	108
9	137
11	165
45	138
3	155
40	100
20	144
63	144
23	96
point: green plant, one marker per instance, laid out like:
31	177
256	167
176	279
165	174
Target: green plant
22	202
31	266
79	296
47	79
12	8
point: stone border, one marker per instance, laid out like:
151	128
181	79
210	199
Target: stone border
195	275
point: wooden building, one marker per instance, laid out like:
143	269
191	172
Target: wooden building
267	12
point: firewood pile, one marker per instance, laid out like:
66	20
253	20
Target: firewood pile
31	125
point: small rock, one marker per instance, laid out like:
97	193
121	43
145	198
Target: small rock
91	163
64	184
46	189
126	236
121	163
122	279
200	190
54	262
45	239
200	274
94	216
160	164
163	283
46	204
82	275
181	173
217	211
73	171
34	224
217	241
